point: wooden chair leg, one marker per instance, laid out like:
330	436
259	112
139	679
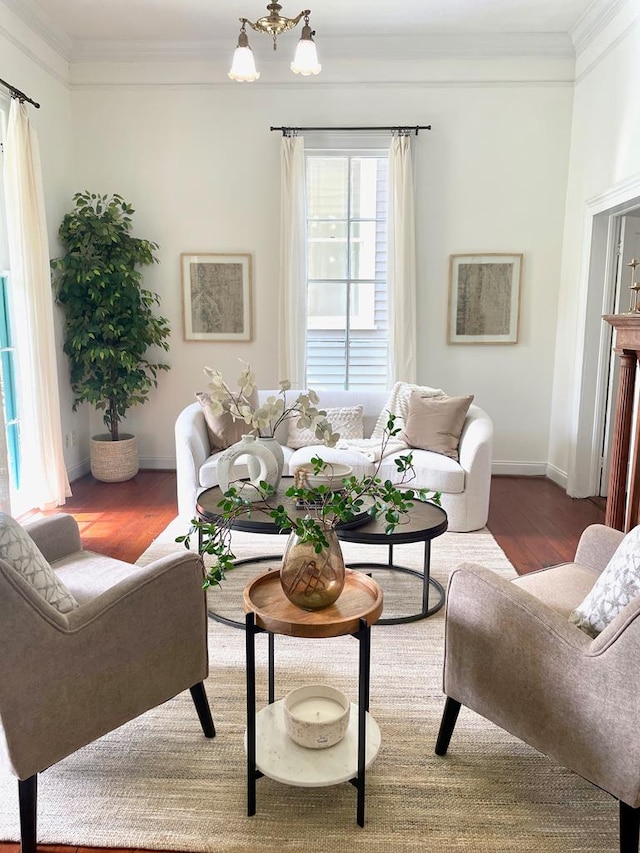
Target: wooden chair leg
28	800
202	707
629	828
447	725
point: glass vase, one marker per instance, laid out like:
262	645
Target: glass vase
312	580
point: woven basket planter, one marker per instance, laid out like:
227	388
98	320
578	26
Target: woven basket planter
114	461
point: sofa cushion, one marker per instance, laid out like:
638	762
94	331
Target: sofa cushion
345	420
617	585
435	423
223	430
19	550
432	471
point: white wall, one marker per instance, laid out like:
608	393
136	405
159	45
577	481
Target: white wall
604	159
195	157
201	168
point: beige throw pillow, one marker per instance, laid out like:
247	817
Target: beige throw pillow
346	420
19	550
435	423
223	429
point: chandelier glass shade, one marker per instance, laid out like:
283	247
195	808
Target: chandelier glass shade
305	62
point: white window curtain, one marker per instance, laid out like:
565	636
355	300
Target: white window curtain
402	263
293	262
44	481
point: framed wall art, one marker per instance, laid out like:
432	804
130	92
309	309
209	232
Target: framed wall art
484	299
216	297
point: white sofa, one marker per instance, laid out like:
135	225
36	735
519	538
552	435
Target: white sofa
464	484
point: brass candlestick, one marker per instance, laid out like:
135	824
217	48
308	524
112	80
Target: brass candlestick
634	287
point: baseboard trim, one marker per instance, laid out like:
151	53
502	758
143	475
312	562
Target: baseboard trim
561	478
163	463
519	469
81	469
506	469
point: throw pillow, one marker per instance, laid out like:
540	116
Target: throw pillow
19	550
346	420
614	589
435	423
223	429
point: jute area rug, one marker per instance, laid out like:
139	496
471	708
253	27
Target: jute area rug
157	783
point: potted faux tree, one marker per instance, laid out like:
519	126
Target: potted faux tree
109	322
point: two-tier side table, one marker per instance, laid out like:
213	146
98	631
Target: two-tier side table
270	751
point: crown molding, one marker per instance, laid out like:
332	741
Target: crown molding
42	24
465	46
599	14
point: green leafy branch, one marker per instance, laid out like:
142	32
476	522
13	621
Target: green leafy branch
324	508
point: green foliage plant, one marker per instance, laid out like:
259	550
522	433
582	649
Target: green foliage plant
265	419
109	316
325	508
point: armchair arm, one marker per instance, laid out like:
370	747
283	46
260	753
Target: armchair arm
527	669
596	546
130	649
56	536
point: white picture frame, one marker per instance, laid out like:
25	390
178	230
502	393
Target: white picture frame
484	298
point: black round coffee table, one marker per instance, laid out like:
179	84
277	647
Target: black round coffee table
426	522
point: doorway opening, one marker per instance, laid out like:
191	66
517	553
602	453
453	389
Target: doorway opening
611	221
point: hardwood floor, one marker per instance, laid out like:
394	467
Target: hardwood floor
536	523
533	520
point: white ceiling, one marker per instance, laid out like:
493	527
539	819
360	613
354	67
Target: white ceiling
78	24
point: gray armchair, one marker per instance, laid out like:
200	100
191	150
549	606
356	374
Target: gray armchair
512	656
137	638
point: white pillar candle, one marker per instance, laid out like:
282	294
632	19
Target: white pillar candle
317	709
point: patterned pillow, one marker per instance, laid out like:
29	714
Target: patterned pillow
19	550
346	420
618	584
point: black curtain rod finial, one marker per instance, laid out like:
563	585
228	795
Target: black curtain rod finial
16	93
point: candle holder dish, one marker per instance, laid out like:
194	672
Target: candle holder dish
316	716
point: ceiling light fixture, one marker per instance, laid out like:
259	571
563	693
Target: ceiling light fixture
305	61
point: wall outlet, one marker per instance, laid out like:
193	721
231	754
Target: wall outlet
74	438
67	440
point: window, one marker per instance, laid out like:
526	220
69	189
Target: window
7	360
7	349
347	320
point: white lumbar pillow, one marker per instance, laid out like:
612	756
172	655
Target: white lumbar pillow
19	550
618	584
347	421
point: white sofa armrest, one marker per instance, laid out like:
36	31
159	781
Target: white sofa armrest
192	450
475	453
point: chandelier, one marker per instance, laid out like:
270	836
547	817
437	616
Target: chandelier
305	61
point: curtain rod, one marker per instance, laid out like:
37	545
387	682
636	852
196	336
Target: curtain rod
16	93
399	128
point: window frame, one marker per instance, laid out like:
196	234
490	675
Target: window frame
365	320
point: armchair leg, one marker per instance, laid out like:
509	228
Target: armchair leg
447	725
629	828
202	707
28	798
